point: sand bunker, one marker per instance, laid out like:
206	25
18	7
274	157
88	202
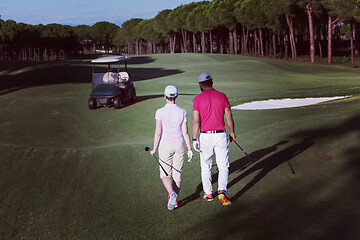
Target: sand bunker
284	103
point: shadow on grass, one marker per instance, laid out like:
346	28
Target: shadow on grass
141	99
147	97
304	140
141	60
138	99
238	166
14	77
268	164
308	139
323	206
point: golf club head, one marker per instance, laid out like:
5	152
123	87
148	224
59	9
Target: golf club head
147	148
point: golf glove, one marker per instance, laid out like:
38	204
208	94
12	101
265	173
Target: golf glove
196	145
190	155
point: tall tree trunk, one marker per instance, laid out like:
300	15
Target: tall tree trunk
243	41
318	36
235	41
352	43
294	46
194	43
203	47
23	54
219	44
140	48
274	44
311	30
320	50
188	42
149	48
46	55
31	57
231	42
172	42
286	46
223	43
136	47
246	41
183	33
331	27
261	43
211	42
292	39
329	40
256	44
37	53
357	38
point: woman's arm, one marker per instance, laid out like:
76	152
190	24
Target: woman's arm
157	136
185	133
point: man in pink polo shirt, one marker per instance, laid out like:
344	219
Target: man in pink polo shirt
209	109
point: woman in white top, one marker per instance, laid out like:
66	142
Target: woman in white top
170	132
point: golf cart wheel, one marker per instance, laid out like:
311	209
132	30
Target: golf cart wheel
92	103
134	95
117	103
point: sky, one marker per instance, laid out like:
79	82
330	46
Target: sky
88	12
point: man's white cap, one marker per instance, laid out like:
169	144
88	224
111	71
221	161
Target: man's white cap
204	77
171	91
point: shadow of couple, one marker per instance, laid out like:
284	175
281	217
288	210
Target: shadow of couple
262	163
253	165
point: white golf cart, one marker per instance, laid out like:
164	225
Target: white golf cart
113	87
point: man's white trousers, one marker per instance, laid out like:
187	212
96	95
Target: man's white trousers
210	143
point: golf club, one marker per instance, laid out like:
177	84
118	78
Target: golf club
292	170
147	148
232	140
169	165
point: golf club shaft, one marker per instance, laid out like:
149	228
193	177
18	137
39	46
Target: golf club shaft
169	165
161	166
291	168
232	140
149	149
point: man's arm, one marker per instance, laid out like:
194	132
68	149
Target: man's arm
230	123
196	124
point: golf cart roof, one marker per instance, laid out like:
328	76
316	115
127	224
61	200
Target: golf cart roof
110	59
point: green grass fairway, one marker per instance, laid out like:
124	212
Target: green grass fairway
70	173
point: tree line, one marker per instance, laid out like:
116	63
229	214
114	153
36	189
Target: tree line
262	28
19	41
